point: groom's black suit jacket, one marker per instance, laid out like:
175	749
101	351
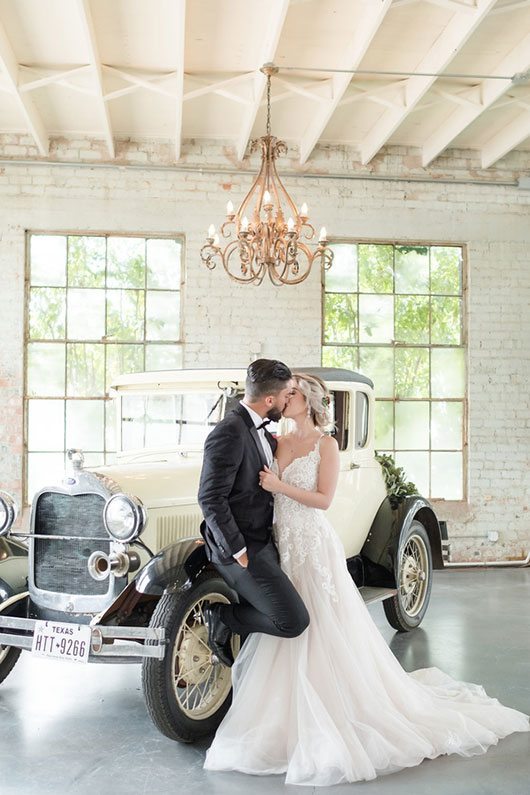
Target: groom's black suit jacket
237	511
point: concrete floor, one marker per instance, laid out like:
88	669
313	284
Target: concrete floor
70	729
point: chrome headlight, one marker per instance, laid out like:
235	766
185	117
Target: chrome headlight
125	517
8	512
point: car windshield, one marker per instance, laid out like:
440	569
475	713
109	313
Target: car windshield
154	421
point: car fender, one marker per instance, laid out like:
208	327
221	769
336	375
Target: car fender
13	575
382	543
174	568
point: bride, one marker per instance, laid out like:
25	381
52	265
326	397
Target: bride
334	705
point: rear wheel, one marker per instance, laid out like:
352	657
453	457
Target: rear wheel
8	657
405	611
188	693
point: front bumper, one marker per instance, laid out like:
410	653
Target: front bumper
131	646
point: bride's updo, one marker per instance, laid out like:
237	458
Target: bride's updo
318	400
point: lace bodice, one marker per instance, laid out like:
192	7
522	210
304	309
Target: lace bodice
299	531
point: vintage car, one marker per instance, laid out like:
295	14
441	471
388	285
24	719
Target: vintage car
112	567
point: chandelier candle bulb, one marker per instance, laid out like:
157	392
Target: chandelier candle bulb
244	224
230	209
216	241
290	225
211	232
323	235
267	201
304	212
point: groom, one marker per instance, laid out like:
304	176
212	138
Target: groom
238	516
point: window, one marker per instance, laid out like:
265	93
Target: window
99	305
395	313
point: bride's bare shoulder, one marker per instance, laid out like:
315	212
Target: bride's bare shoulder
328	444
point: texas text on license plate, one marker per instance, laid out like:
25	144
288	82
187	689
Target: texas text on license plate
62	641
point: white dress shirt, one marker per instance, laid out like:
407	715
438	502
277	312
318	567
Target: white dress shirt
257	420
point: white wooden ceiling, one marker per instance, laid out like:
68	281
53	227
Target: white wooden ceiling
177	69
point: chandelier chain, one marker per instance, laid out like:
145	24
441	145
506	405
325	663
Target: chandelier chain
268	104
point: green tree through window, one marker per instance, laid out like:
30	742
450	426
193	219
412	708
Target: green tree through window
395	313
98	306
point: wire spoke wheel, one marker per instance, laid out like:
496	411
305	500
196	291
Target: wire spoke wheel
189	691
405	611
201	684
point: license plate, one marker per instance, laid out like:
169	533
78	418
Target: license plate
62	641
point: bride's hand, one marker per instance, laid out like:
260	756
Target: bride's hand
268	480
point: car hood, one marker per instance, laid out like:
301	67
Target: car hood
157	483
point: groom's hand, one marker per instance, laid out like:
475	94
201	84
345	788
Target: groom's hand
242	560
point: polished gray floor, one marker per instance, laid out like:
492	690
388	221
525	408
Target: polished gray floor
71	729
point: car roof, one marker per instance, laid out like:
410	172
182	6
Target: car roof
210	376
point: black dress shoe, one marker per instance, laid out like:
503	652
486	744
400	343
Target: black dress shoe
219	635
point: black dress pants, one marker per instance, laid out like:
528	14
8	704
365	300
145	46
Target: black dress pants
269	602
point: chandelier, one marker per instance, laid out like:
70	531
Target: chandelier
268	233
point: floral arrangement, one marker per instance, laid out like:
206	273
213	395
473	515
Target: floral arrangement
397	485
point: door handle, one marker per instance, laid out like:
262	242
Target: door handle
355	466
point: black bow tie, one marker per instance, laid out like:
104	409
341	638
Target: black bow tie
263	424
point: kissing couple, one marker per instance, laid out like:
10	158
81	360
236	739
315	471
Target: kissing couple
317	693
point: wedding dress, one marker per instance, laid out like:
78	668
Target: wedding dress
334	705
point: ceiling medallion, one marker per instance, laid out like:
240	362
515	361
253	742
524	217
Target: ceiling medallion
267	234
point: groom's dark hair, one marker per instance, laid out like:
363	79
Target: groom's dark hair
266	377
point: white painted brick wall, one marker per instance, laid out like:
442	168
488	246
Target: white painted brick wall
226	324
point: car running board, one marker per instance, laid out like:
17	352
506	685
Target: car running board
370	594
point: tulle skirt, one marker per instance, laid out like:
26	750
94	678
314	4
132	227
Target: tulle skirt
334	705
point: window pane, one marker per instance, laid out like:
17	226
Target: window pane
125	262
448	372
44	469
110	425
163	264
340	357
125	314
412	319
412	269
384	424
85	370
376	318
340	319
378	364
163	357
86	261
446	269
446	321
47	313
412	425
48	260
123	359
163	320
446	476
86	314
412	372
133	422
46	363
45	425
342	276
416	467
376	268
84	424
446	426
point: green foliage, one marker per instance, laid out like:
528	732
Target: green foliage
397	485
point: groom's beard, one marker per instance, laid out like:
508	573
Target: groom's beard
274	414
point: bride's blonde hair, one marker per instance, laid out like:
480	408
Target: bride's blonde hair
318	400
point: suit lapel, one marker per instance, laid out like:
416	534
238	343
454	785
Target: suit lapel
247	419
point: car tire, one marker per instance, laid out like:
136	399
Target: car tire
8	658
186	693
405	611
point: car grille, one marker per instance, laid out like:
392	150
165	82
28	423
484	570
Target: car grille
61	566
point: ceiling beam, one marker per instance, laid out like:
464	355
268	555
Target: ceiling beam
271	36
180	45
517	60
87	24
367	26
507	139
9	66
449	42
